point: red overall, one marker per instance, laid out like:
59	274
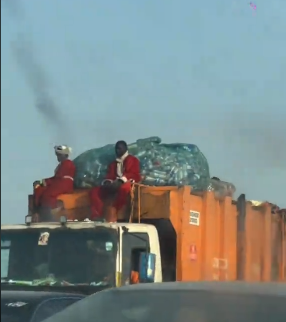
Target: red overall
130	173
60	183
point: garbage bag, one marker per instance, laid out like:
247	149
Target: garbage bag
161	164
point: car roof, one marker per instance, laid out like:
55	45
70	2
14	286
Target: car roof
262	288
34	296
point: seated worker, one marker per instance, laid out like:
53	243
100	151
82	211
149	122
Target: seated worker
46	191
84	263
101	264
112	195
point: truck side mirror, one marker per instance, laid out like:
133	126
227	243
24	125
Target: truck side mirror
147	266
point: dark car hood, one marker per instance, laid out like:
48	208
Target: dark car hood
25	305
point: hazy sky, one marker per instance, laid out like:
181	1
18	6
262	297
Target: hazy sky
209	72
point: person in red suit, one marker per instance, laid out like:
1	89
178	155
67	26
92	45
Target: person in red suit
112	195
47	190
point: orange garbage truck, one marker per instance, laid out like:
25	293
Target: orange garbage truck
178	234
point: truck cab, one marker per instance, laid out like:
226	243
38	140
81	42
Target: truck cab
73	253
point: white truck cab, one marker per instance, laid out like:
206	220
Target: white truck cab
77	253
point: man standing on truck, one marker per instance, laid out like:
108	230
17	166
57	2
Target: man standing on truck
46	191
112	195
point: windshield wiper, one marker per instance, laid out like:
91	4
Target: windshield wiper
101	283
46	281
50	282
15	282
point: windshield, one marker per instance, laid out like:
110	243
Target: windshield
175	306
63	256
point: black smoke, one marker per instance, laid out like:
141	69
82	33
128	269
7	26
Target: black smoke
24	51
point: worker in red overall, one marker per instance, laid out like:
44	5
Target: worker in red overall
46	191
112	195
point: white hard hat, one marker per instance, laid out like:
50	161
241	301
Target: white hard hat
63	149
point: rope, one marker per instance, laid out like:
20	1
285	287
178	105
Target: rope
132	197
132	201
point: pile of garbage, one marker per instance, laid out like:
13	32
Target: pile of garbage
161	164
